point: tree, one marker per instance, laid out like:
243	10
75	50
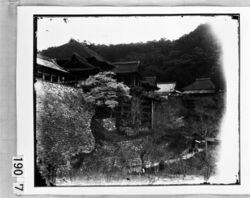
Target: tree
193	55
103	90
65	118
204	122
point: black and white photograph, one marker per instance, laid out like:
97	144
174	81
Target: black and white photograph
131	100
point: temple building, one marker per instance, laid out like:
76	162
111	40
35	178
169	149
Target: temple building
48	70
128	72
197	91
166	88
200	86
74	62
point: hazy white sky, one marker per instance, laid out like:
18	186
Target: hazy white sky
115	30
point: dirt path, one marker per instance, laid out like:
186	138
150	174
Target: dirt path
184	156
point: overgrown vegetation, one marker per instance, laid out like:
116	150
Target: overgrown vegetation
62	128
192	56
69	147
75	141
103	90
66	125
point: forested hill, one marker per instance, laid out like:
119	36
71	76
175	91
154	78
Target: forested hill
194	55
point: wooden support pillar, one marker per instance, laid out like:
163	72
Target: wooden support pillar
152	114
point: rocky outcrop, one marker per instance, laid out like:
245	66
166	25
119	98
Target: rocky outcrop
62	127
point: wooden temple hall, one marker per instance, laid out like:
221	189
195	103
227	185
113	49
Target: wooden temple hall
48	70
73	62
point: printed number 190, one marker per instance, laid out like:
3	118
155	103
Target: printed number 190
17	166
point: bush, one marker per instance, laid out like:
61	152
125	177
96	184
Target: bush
62	128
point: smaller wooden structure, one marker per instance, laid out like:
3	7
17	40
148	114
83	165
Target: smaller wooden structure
127	72
48	70
200	88
140	110
166	88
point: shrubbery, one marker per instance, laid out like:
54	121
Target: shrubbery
66	135
65	118
62	128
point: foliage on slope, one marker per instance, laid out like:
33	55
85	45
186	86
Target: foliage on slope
62	127
194	55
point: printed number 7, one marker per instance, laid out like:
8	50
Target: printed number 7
20	187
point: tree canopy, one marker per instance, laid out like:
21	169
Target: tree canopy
104	90
194	55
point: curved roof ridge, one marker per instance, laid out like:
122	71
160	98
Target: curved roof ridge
82	62
200	84
48	62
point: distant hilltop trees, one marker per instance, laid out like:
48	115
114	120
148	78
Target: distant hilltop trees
194	55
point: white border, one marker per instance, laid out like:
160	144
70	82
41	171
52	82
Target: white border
24	86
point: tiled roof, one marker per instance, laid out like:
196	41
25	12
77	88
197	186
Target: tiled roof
78	63
66	50
166	87
126	67
200	85
49	63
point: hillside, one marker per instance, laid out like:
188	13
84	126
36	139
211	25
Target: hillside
194	55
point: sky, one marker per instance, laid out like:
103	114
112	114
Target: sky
115	30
